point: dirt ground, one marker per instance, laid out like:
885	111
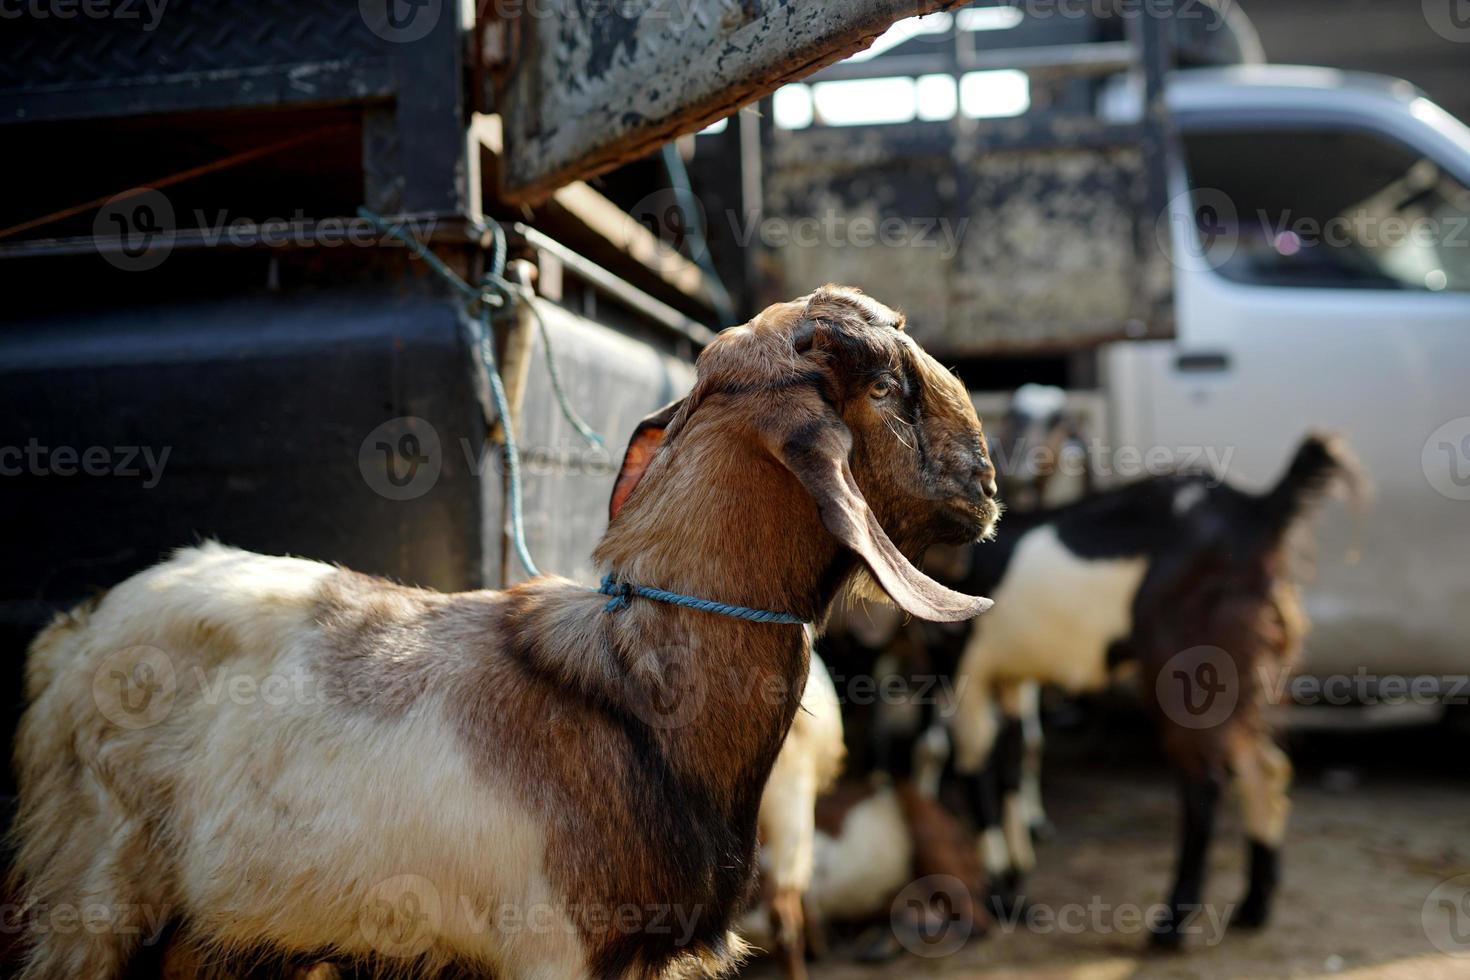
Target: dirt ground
1380	821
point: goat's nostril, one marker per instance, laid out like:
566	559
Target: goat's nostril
985	475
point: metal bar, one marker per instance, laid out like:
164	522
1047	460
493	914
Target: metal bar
1061	59
658	76
591	215
660	313
515	366
333	83
1154	37
1058	130
515	360
433	146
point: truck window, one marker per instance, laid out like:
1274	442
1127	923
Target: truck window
1327	209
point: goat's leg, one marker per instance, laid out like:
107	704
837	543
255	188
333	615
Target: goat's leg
788	833
1199	796
788	923
92	918
817	943
1034	740
1010	756
975	735
983	795
1262	775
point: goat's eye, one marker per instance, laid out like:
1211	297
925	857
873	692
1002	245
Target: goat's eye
883	387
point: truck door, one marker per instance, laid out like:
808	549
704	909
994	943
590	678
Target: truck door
1328	286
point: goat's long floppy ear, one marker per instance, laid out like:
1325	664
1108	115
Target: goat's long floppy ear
816	449
645	440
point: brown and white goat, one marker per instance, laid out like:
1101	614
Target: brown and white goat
297	759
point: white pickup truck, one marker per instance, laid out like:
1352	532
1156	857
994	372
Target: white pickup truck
1320	228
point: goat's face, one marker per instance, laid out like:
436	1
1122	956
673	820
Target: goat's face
919	455
880	436
1030	443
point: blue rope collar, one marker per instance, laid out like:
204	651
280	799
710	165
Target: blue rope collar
623	592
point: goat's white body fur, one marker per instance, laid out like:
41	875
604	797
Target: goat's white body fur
859	871
294	872
1056	615
855	874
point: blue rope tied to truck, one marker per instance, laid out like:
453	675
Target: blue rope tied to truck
497	292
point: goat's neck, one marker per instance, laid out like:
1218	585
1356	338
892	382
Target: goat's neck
736	528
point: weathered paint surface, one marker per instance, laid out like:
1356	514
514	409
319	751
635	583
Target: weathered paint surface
602	83
985	247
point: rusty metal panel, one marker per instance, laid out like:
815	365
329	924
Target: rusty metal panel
599	84
987	243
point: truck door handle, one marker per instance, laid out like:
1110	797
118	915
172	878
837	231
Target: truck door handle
1201	362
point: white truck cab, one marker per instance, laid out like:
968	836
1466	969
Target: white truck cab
1320	229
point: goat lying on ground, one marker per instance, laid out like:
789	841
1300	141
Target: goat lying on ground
873	841
498	779
1188	578
808	765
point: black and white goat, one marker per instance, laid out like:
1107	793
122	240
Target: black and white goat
1187	577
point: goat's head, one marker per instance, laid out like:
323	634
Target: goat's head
874	430
1037	439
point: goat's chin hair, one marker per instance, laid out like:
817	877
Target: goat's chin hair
862	586
988	534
